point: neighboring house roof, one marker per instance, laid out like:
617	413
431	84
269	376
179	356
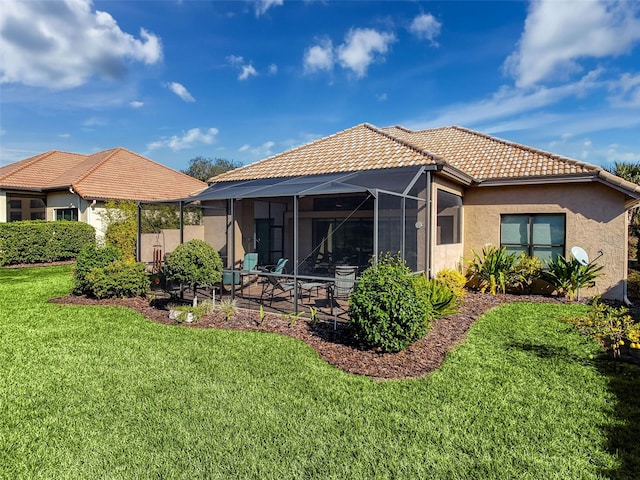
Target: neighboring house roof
111	174
485	159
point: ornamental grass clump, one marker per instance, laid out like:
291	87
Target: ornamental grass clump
440	297
386	311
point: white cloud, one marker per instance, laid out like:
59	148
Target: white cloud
263	150
136	104
362	47
626	92
247	71
382	97
180	91
189	139
263	5
94	122
557	35
426	27
65	135
319	57
273	69
62	44
235	60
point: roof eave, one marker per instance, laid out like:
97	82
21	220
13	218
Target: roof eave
452	173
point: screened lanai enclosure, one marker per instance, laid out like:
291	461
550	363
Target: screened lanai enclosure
320	221
323	223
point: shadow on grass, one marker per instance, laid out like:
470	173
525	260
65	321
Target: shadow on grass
623	439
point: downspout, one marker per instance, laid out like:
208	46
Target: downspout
427	246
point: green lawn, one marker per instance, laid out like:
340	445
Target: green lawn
96	392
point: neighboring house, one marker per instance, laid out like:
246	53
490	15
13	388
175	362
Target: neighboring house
69	186
433	195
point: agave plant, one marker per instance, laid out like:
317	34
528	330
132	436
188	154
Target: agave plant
492	269
567	276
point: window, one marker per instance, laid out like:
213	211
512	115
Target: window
540	235
67	214
449	218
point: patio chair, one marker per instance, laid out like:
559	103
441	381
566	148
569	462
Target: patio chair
273	284
345	280
240	281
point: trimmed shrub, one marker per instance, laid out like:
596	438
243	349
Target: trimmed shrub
90	258
119	279
385	309
524	273
442	300
454	280
194	263
36	241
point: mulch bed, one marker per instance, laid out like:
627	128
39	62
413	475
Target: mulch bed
336	346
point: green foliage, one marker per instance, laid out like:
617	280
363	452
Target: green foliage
567	276
119	279
197	311
440	297
194	263
385	309
229	307
36	241
158	217
492	270
205	168
121	220
89	258
612	326
453	279
524	273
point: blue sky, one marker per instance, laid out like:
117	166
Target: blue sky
243	80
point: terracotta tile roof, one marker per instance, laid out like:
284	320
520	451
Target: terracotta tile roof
486	157
366	147
363	147
110	174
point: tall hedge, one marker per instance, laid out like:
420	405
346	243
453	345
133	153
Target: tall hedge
36	241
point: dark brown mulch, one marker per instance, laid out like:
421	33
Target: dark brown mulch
336	346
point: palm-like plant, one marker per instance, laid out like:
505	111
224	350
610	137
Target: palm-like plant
630	172
492	269
567	276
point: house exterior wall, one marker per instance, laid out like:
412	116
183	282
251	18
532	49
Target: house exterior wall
595	219
3	206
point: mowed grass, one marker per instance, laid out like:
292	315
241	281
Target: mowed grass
97	392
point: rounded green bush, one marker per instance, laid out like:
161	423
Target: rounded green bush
385	308
194	263
119	279
89	258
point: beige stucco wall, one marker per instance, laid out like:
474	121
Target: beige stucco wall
595	219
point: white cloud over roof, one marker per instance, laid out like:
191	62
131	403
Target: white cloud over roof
319	57
426	27
362	47
181	91
193	137
558	35
63	44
